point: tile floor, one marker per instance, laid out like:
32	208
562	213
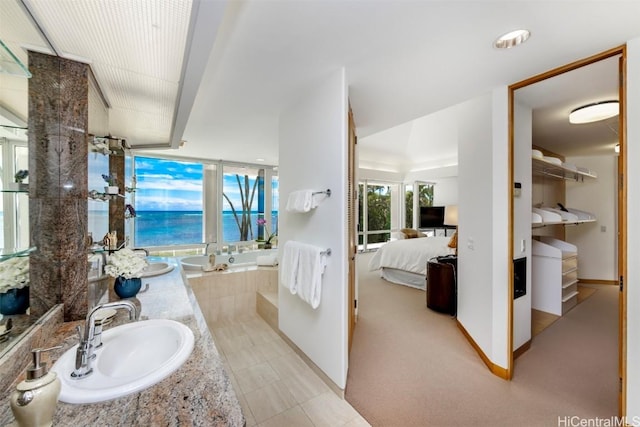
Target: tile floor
274	386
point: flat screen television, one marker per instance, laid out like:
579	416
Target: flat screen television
431	216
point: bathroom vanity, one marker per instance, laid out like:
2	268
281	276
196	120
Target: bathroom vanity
198	393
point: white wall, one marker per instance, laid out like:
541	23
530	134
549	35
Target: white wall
445	192
522	218
482	208
597	249
632	278
378	175
313	155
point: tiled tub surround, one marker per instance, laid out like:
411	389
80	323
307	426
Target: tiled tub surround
231	294
198	393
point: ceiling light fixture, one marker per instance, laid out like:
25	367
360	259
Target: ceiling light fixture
594	112
511	39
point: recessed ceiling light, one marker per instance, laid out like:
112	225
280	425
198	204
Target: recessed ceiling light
511	39
260	160
594	112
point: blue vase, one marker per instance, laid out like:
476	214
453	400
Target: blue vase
14	301
127	288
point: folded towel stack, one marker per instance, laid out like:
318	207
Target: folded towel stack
300	201
304	200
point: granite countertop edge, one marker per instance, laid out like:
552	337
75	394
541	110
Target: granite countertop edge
199	393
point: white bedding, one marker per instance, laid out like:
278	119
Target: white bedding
410	254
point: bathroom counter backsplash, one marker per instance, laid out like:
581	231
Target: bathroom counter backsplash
198	393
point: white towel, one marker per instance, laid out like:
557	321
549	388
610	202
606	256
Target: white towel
301	271
269	260
300	201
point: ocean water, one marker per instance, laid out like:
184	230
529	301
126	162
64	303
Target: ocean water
164	228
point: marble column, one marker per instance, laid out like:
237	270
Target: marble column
58	109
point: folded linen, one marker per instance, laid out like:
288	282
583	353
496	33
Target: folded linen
300	201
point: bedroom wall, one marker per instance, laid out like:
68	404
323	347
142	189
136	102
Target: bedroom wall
597	247
482	206
522	218
445	192
320	119
632	278
378	175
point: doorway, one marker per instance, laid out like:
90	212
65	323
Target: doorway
574	83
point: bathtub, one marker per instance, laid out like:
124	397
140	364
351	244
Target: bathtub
196	262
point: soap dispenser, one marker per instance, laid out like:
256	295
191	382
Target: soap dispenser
33	403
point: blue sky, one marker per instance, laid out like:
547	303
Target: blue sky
165	184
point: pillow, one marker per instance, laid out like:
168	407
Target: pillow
398	235
453	243
410	233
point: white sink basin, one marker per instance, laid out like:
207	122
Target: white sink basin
133	357
156	269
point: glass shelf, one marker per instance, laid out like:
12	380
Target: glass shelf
7	253
94	195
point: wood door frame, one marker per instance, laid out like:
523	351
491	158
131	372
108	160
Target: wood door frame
622	204
352	204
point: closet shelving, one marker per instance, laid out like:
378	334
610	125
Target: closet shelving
554	275
547	168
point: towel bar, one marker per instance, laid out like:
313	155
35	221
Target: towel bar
327	192
326	252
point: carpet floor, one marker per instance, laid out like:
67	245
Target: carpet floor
411	366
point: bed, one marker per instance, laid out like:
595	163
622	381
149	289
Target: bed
405	261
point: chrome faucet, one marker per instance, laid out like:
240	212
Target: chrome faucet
92	337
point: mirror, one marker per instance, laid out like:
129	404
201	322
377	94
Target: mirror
14	156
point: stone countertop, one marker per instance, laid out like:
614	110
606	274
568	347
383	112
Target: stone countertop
199	393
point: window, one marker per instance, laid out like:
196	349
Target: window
97	210
374	216
408	206
168	202
425	194
240	204
14	204
181	203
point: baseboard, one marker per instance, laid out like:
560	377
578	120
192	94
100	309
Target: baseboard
522	349
498	371
598	282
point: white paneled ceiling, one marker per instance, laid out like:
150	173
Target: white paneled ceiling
246	60
135	49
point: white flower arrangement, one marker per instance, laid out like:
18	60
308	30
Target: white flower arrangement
125	263
14	274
